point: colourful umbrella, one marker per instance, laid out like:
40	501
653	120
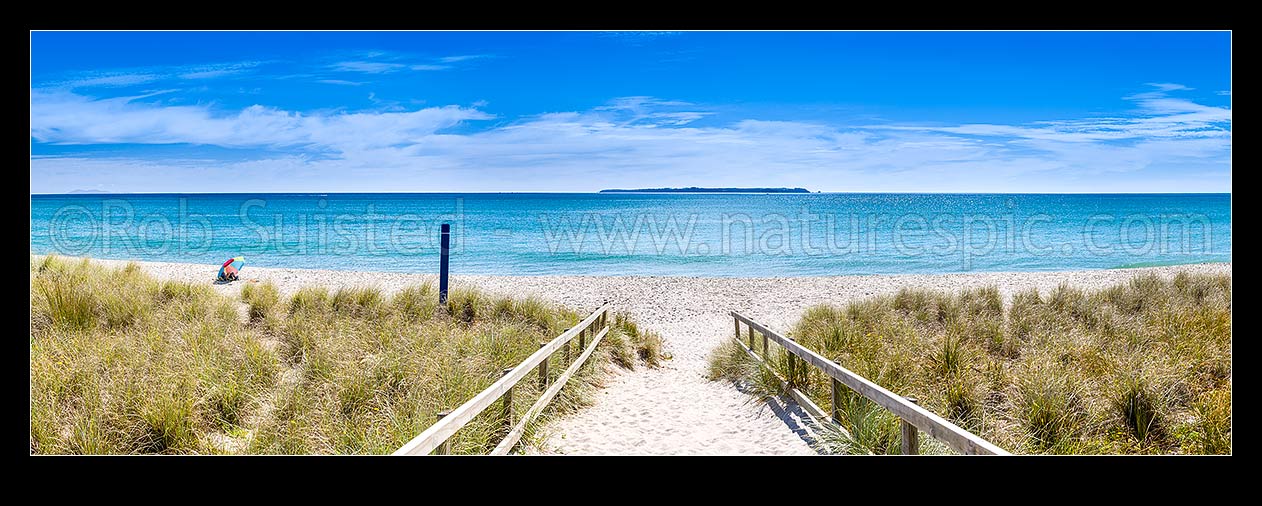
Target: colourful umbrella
232	266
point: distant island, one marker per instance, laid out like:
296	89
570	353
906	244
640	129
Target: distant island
694	189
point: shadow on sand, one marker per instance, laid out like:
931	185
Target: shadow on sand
793	416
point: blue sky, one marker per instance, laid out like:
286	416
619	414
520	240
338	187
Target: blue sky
582	111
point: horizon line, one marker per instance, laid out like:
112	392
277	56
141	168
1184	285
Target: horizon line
598	192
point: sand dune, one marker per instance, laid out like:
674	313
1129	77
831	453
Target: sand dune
674	409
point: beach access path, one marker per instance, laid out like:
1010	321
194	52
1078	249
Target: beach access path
674	410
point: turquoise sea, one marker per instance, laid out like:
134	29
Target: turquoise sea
742	235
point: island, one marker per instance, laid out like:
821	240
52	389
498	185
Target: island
694	189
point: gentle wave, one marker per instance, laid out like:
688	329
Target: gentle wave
728	235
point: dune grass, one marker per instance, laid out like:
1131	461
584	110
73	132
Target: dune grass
1139	368
123	363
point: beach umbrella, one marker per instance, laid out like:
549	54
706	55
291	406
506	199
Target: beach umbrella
233	265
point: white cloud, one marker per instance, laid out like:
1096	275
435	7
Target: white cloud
652	112
639	103
629	141
132	77
217	70
382	62
1169	86
463	57
1157	116
109	80
65	118
342	82
367	67
378	67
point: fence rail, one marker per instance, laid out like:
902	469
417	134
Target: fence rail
435	437
913	417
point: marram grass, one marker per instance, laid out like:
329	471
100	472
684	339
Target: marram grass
122	363
1141	367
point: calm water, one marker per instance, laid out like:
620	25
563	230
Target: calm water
641	234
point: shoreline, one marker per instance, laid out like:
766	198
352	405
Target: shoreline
390	274
106	194
673	409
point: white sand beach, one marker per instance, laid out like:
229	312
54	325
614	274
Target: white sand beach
674	410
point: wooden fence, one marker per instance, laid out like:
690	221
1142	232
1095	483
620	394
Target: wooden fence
913	417
434	439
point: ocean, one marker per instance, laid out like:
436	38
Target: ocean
726	235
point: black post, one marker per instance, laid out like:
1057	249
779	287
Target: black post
444	247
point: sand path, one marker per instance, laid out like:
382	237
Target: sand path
674	410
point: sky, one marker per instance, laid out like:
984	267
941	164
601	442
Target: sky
584	111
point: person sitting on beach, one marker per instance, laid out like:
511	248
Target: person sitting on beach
227	275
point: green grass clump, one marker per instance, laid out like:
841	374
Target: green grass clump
416	302
1211	423
730	362
1141	403
66	305
310	300
1050	407
463	304
121	363
263	300
359	301
1141	367
629	345
872	429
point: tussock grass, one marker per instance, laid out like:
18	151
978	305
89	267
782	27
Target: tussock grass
1050	406
121	363
316	300
415	302
263	300
130	365
729	362
1141	367
1210	430
628	344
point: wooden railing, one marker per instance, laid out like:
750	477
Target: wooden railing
913	417
434	439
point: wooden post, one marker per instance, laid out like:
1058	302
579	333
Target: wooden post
836	399
911	437
582	344
751	338
543	371
445	448
764	346
792	379
508	403
738	328
444	249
